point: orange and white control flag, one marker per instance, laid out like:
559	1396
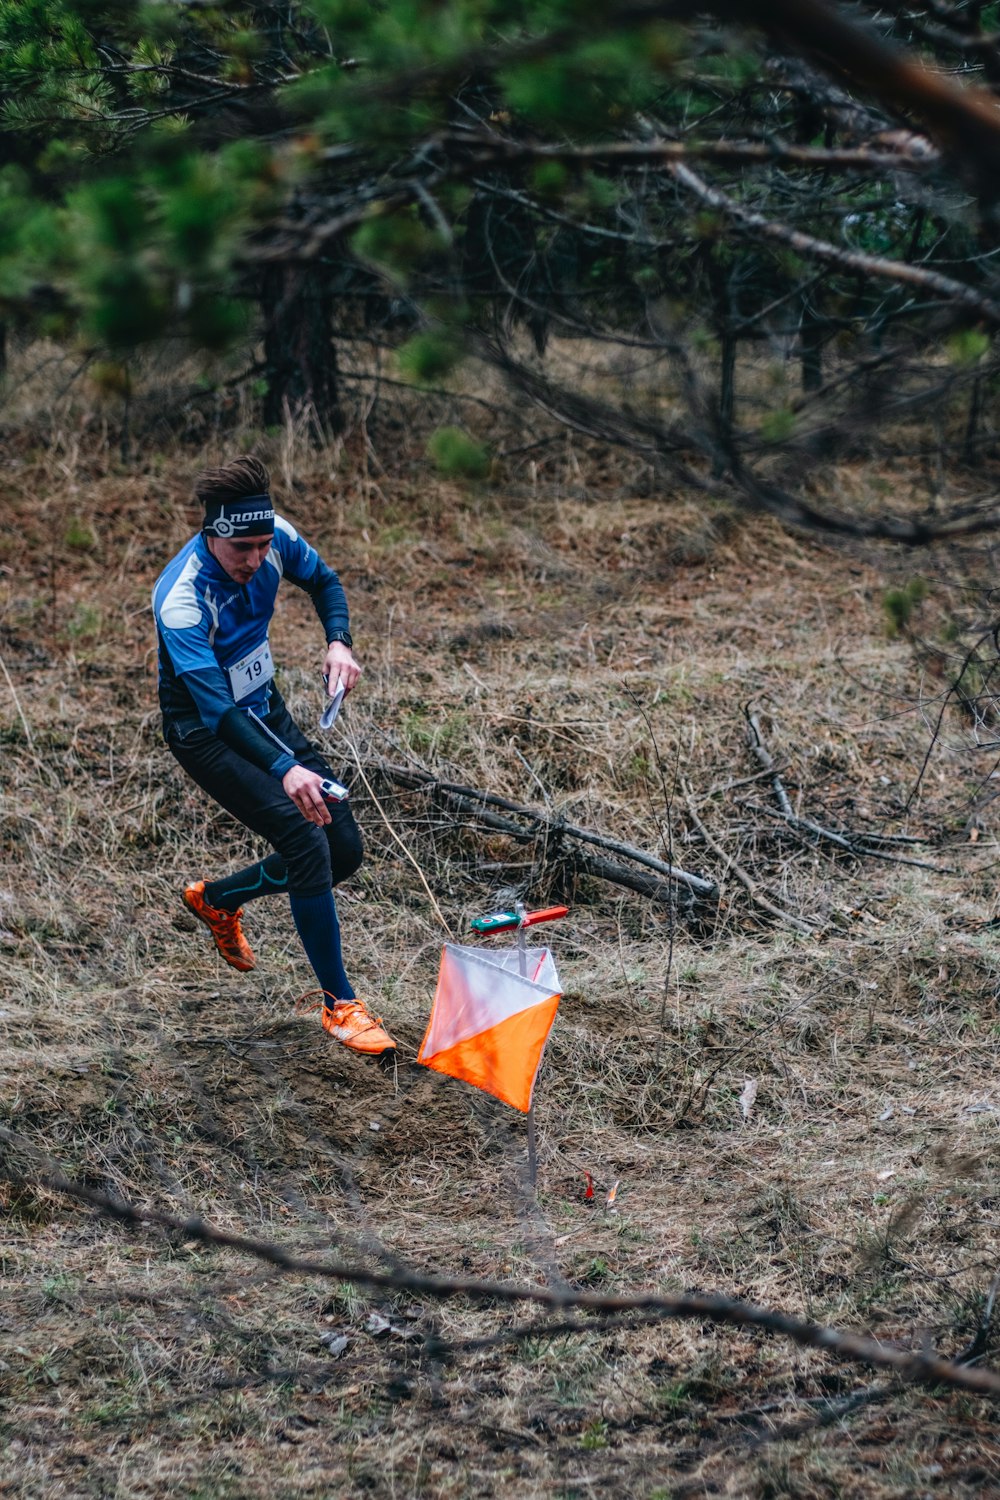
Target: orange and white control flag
489	1022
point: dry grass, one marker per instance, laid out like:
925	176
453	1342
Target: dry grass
582	656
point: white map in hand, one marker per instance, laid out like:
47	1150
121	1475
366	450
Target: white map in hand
332	708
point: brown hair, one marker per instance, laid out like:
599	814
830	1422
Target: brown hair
232	481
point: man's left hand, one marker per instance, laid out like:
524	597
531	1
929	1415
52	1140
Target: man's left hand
340	664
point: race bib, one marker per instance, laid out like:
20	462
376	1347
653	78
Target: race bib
255	669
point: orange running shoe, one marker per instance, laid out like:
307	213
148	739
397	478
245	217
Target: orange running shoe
224	927
350	1023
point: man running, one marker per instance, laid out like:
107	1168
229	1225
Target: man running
226	723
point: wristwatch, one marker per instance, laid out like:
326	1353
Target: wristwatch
342	635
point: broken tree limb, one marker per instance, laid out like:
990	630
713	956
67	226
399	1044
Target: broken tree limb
761	753
857	844
851	845
479	806
746	880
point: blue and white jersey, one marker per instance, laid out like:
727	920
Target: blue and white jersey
214	650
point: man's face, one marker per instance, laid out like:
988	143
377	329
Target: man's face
240	559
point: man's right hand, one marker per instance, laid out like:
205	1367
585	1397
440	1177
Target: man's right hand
304	789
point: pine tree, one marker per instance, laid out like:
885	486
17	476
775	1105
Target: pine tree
448	174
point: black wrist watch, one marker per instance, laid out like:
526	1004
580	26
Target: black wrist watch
342	635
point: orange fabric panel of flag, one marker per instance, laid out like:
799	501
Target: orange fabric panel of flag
503	1060
490	1022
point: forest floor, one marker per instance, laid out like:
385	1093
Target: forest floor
575	646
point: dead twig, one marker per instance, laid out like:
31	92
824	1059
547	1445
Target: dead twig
850	845
755	740
29	740
855	844
746	880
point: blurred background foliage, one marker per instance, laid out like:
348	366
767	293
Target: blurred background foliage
797	248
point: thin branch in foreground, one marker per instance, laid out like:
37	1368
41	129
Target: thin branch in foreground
920	1366
395	836
496	150
745	221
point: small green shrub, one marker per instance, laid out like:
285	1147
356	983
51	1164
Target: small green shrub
899	605
86	622
428	357
454	453
594	1435
79	535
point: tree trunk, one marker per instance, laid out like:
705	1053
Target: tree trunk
969	444
810	347
300	355
727	378
727	390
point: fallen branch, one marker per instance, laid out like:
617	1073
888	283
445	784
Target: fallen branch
913	1365
761	753
851	843
478	805
849	846
746	880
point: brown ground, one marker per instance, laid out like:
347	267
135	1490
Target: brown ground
590	653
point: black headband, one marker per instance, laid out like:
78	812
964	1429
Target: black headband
252	515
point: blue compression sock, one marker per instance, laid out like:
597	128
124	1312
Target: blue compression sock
315	919
262	879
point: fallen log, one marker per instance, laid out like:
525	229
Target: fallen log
499	813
